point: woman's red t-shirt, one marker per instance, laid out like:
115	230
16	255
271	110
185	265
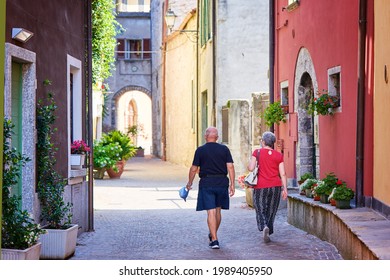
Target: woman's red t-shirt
268	175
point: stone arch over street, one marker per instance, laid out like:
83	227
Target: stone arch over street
305	88
132	106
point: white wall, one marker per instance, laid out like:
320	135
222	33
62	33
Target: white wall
242	51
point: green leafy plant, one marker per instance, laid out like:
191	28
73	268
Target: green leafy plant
343	193
309	184
328	184
306	176
274	113
18	229
106	155
115	136
323	104
51	185
104	29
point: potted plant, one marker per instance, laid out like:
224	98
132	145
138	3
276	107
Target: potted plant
343	195
60	240
325	189
78	149
248	189
323	104
140	152
19	233
304	177
274	113
127	150
308	187
104	157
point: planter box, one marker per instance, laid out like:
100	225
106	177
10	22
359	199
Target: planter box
140	153
59	244
31	253
77	161
343	204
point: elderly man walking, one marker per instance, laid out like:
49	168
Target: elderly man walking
214	163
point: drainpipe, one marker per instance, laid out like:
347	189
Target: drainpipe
2	44
163	103
360	104
271	52
89	124
197	75
214	110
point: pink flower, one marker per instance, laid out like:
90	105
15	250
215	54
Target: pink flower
79	147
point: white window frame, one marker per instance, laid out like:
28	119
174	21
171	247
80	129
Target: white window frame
125	6
74	66
283	100
331	86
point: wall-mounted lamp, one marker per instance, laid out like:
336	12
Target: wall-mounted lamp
170	18
21	34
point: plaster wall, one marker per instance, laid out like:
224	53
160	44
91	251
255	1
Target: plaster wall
242	51
381	102
180	88
158	31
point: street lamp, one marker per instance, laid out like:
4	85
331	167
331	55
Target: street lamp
170	18
21	34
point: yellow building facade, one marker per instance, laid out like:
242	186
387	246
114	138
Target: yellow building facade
181	92
382	102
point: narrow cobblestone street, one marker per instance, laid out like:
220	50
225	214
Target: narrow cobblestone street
142	217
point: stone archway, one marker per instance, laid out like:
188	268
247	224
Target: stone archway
116	96
307	146
132	105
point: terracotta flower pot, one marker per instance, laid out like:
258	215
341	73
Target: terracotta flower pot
113	174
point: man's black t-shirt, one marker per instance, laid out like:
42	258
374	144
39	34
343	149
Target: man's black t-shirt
212	158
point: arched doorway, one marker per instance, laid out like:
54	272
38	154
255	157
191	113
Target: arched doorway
306	159
131	111
307	146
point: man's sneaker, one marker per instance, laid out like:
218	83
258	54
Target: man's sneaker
210	239
266	235
214	244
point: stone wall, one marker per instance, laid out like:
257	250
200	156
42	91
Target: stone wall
329	224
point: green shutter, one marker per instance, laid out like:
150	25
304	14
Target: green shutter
16	113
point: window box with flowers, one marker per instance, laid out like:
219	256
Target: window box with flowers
78	151
323	104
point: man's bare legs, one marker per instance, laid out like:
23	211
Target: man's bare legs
214	221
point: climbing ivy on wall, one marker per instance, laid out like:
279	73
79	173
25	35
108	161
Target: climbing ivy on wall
104	29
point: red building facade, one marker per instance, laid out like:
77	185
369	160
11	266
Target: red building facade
317	49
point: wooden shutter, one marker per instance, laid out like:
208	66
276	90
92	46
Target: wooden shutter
146	48
120	48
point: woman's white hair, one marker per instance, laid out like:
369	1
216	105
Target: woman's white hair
269	138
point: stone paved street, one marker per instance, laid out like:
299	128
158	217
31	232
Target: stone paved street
141	217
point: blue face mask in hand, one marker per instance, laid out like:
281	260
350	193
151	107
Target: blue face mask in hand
183	192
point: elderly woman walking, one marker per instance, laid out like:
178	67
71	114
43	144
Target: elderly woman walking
271	184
